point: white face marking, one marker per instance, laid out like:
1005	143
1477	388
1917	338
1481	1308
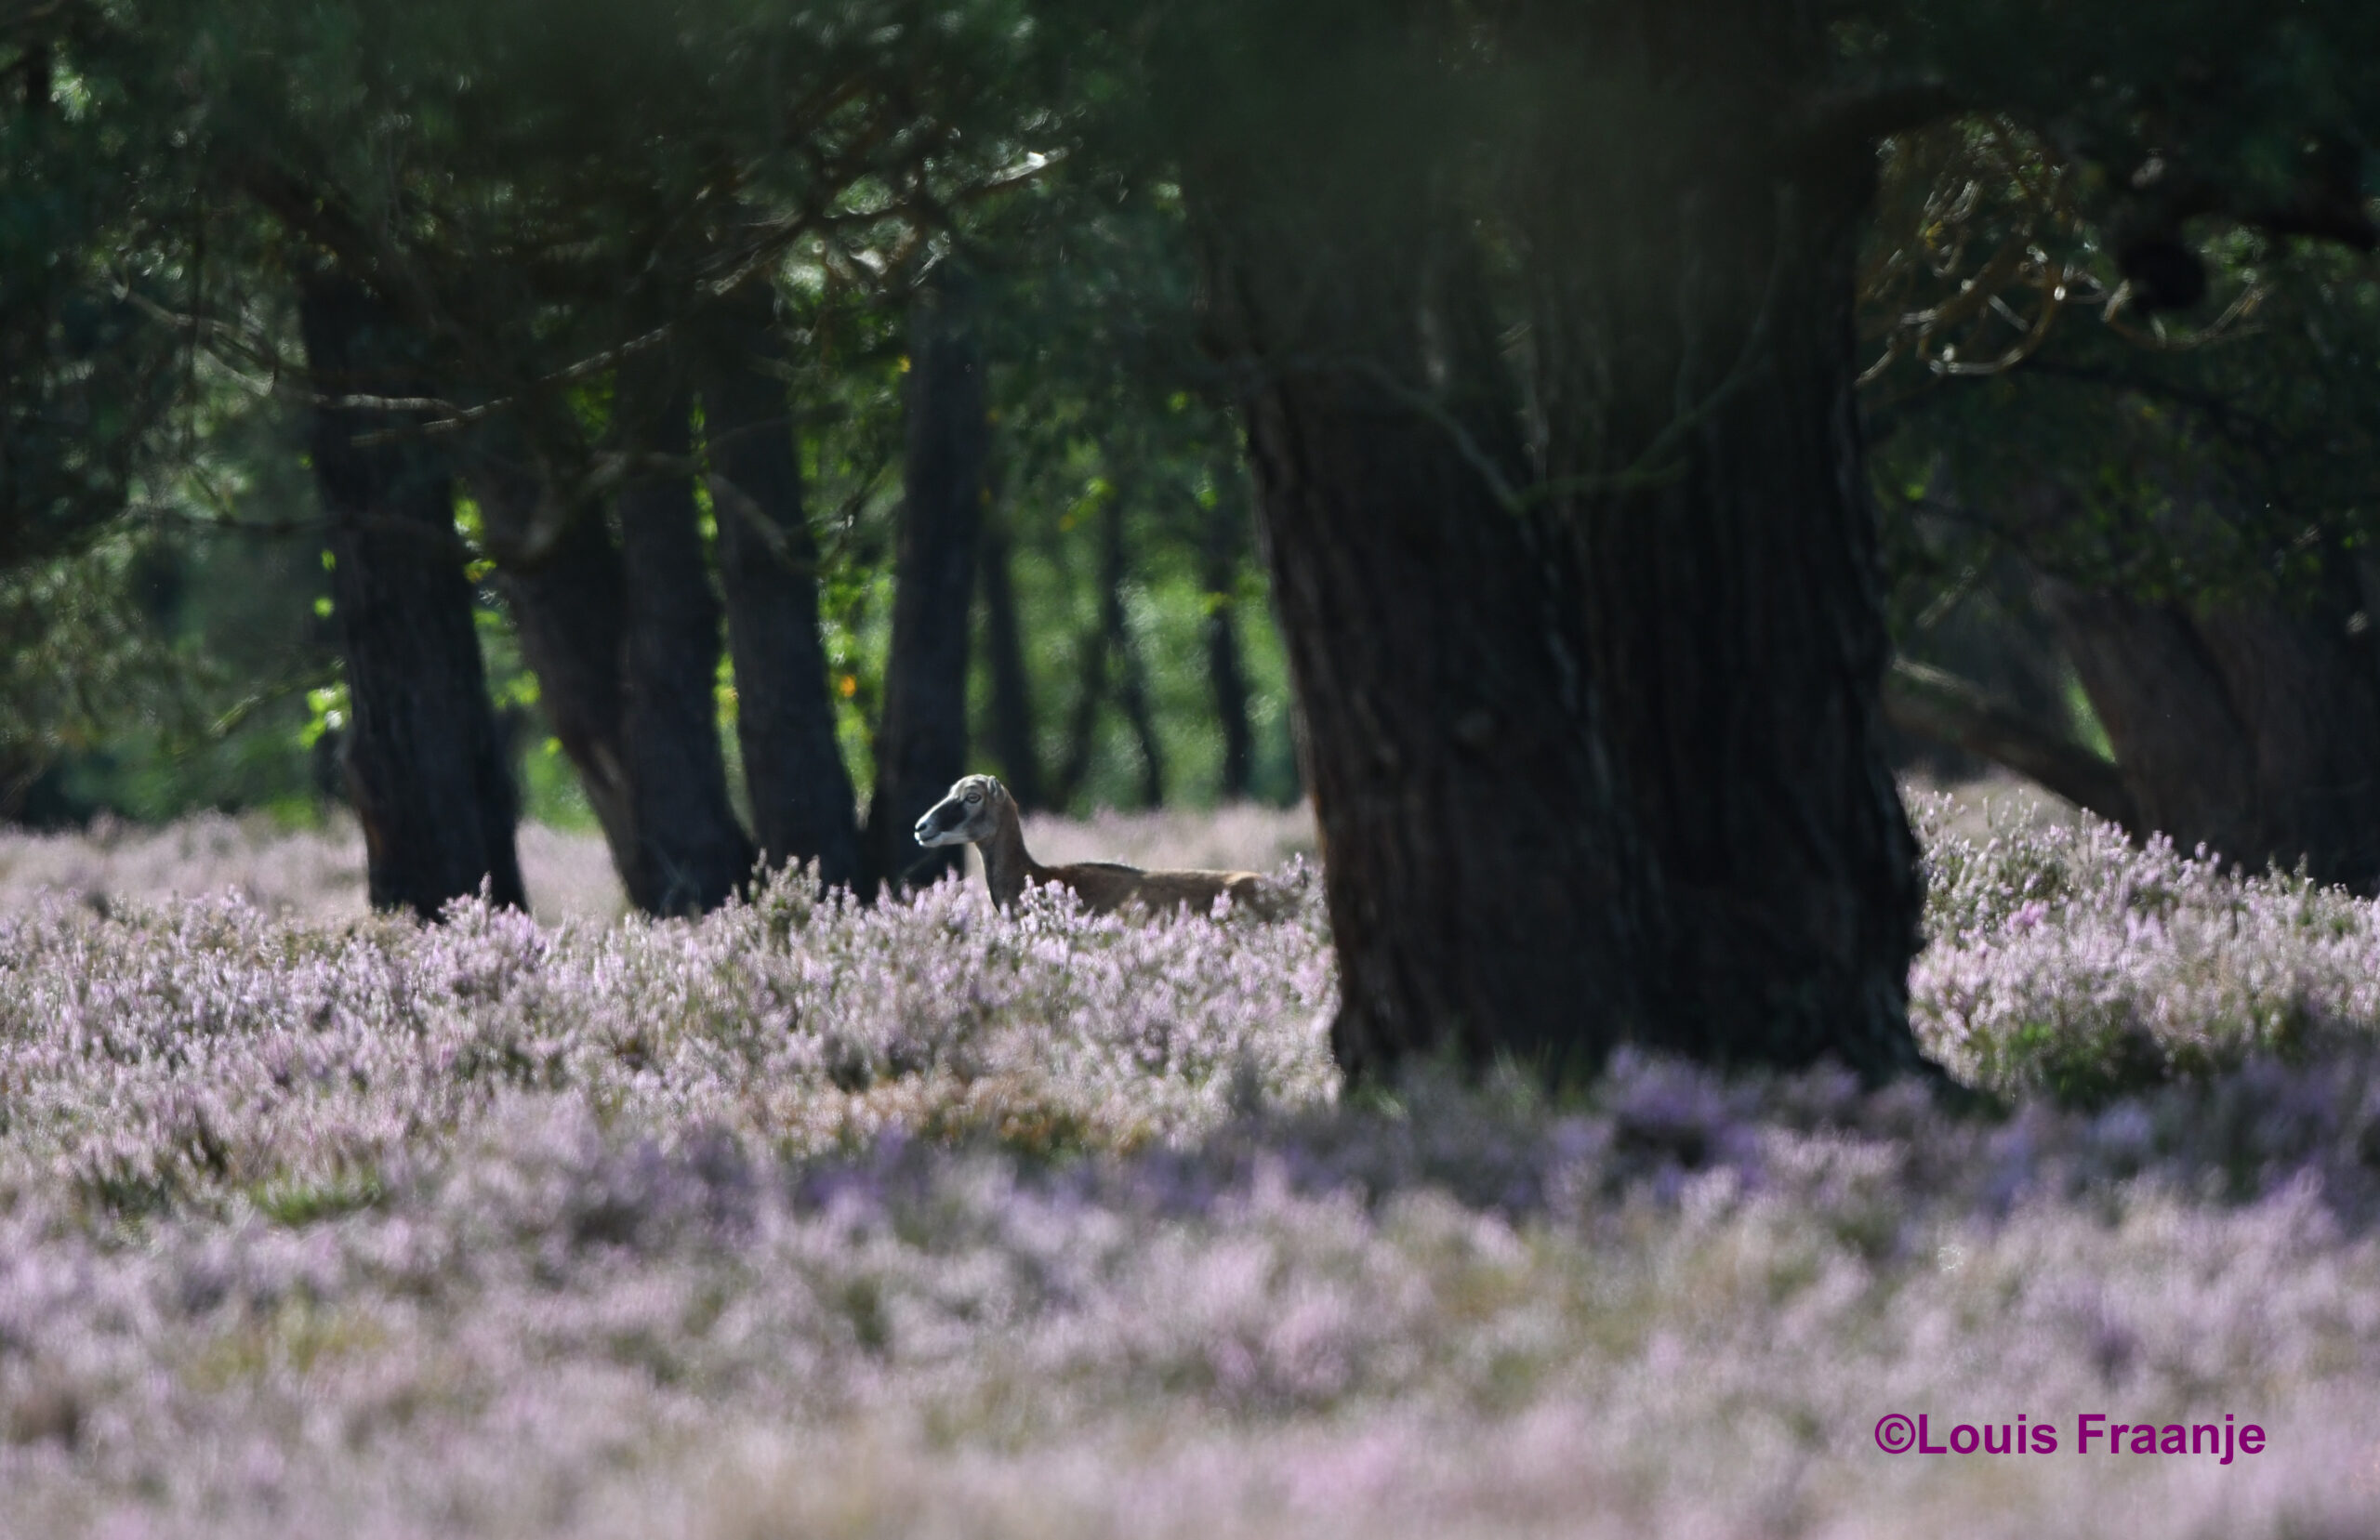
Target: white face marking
964	816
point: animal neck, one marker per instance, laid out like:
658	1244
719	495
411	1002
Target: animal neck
1005	865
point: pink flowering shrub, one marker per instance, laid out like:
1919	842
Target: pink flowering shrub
811	1220
2061	958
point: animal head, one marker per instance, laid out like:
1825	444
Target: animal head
970	813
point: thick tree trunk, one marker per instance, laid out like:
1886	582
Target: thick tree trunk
691	852
1226	675
1694	346
922	746
1597	757
1484	890
1011	715
2252	732
2180	748
803	805
424	764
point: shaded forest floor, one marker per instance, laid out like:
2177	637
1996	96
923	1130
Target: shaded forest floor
930	1222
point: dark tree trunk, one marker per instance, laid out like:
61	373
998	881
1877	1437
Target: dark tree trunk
1011	717
1596	757
424	763
922	746
2308	693
1218	573
569	603
2180	748
691	852
803	805
2248	730
1482	885
1133	688
652	777
1695	368
1090	699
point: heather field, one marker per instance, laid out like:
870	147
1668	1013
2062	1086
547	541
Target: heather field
813	1222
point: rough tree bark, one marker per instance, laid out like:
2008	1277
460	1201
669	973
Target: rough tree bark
1597	755
803	805
1695	368
922	746
691	853
1480	876
1011	713
424	764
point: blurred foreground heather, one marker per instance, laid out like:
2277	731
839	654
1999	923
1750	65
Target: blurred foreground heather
813	1222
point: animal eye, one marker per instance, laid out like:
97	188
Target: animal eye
974	796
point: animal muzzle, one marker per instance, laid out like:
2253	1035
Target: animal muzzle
937	823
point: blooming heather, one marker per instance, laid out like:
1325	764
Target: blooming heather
808	1219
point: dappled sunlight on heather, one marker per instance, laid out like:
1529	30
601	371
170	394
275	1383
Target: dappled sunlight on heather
927	1220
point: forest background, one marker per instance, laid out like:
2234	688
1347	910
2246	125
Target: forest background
847	396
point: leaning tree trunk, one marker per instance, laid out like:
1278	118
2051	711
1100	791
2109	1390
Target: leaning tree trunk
1598	756
922	747
570	592
691	852
802	806
424	760
565	593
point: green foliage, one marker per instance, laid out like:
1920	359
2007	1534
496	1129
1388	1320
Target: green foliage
91	250
536	185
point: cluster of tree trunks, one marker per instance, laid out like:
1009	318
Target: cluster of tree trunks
618	616
624	632
615	613
802	806
1111	670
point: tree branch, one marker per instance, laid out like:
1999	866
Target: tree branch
1929	703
